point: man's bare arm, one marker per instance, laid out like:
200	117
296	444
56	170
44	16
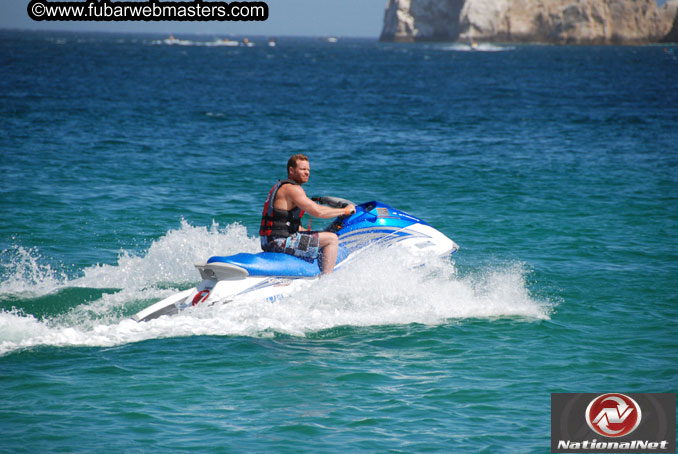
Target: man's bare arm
298	196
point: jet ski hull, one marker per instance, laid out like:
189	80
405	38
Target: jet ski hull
269	276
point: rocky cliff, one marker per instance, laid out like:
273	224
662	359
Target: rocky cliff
545	21
670	9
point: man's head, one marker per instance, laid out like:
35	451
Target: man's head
298	168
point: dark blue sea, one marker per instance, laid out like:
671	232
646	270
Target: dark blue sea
125	160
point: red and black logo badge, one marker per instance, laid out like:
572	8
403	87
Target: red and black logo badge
613	415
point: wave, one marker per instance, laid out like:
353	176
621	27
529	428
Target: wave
25	275
376	289
171	41
482	47
169	259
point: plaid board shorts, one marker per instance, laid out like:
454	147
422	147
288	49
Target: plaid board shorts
306	246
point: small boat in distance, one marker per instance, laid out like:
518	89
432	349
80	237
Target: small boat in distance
172	41
225	42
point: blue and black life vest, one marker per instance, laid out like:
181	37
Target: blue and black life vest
279	223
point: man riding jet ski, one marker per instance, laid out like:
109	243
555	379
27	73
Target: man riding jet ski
293	256
281	229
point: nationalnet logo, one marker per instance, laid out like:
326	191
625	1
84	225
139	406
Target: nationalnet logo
613	415
613	422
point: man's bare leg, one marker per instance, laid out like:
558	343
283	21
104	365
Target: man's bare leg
329	243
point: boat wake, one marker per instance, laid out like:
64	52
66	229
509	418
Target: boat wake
223	42
480	47
376	289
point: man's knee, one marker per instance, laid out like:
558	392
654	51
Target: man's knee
328	239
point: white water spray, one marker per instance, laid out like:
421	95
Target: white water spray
377	289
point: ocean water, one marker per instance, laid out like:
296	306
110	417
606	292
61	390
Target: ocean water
123	161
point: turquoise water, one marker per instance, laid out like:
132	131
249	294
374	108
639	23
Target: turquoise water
124	161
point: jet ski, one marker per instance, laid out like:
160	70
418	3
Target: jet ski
272	275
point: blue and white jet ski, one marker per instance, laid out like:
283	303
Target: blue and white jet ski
271	275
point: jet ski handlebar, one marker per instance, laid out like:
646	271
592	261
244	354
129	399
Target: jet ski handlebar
334	202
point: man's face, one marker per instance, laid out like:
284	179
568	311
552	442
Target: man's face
301	172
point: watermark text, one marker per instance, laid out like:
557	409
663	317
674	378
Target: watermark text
150	10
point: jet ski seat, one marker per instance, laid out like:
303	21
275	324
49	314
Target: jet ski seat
270	264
